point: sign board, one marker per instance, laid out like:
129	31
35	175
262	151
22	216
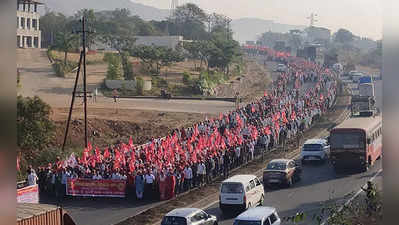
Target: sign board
29	194
96	188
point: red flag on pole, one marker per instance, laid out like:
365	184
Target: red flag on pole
130	142
265	94
106	154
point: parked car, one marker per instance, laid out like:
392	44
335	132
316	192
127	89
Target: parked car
315	150
188	216
282	171
281	68
241	192
258	216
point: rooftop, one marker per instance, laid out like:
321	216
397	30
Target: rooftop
182	212
240	178
280	161
27	210
257	213
315	141
30	1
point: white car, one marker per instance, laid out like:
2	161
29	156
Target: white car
281	68
188	216
241	192
260	216
315	150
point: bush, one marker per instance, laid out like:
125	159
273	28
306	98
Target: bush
35	130
114	71
61	69
159	82
187	78
140	86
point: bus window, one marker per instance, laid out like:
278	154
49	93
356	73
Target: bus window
346	140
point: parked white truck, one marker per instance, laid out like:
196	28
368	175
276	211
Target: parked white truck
366	89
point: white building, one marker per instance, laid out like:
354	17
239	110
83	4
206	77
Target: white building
28	31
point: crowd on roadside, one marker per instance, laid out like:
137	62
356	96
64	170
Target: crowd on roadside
193	157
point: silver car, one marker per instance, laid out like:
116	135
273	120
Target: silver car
188	216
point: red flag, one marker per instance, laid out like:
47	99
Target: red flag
253	109
18	168
89	147
321	97
98	155
220	116
106	154
265	94
267	130
130	142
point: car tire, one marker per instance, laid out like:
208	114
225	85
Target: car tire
289	182
215	223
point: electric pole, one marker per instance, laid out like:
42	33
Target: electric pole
82	59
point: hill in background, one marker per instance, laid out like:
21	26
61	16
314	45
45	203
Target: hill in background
245	29
70	7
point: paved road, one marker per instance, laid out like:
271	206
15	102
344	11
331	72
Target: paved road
319	184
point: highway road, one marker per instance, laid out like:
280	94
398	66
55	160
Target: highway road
319	185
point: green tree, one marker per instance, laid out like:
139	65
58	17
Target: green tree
189	20
343	36
91	22
35	130
65	41
114	66
51	23
118	33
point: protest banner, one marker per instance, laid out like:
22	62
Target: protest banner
96	188
29	194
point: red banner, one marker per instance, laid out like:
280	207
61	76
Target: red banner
28	194
96	188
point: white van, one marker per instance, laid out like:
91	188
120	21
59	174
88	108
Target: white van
241	192
260	216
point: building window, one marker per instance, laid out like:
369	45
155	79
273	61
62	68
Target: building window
18	41
34	24
24	8
36	42
29	42
35	9
28	23
17	22
22	23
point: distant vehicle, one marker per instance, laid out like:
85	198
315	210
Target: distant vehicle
367	79
241	192
356	143
356	77
315	150
338	67
281	68
366	89
189	216
262	215
282	171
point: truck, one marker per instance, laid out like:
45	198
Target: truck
363	106
366	89
42	214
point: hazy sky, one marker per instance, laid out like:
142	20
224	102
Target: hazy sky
362	17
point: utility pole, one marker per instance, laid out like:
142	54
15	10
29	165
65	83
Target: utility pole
312	19
82	59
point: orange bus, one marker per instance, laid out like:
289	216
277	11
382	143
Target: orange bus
356	143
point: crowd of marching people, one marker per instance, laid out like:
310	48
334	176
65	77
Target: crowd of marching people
193	157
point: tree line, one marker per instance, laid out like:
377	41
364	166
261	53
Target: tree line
209	37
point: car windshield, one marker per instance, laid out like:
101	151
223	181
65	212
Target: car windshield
232	188
346	140
174	220
312	147
276	166
245	222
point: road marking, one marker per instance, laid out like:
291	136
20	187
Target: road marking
353	197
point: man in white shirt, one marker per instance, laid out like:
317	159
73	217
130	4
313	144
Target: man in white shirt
149	179
201	171
188	176
32	178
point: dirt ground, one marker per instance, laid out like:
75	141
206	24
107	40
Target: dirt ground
106	126
201	197
250	85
